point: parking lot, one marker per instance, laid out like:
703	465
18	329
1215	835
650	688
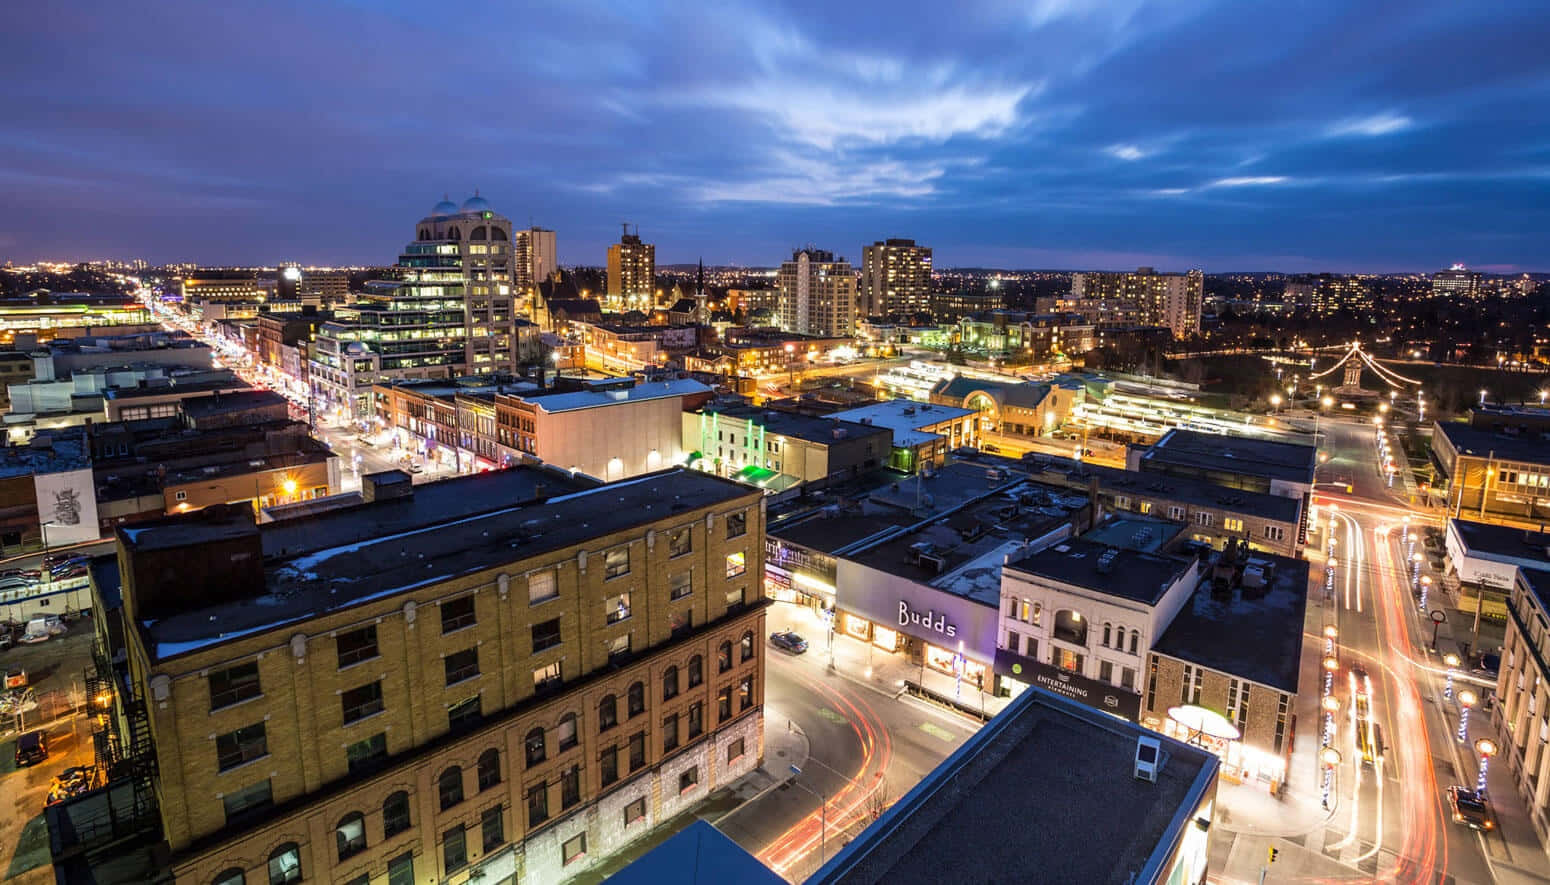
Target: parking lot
56	671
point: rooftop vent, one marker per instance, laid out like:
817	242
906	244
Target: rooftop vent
1149	759
1106	561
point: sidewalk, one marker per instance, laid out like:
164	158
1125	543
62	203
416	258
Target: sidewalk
863	663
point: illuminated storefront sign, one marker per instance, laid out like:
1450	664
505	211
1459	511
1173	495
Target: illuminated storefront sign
1093	693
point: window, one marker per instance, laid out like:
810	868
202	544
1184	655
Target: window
245	802
635	811
401	869
724	704
1190	689
1108	633
570	787
461	665
696	671
1274	533
745	693
735	750
234	685
681	584
670	732
1205	518
737	525
1070	627
355	646
454	849
680	622
489	769
565	735
464	714
736	598
724	657
537	805
689	779
696	720
362	701
546	635
1105	672
681	542
618	648
240	747
534	747
449	787
1127	678
1135	640
636	699
574	849
669	683
617	608
395	814
492	828
736	564
1232	524
351	835
1176	513
746	646
608	766
616	562
546	678
233	876
542	587
637	750
457	613
607	713
364	755
285	864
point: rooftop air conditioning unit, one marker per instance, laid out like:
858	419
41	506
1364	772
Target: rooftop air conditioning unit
1148	759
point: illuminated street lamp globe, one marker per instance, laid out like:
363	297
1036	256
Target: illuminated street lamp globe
1335	508
1411	537
1485	747
1426	580
1330	704
1331	632
1327	401
1275	399
1331	664
1466	698
1451	659
1329	756
1334	563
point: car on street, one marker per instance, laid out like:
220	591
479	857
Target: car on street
31	748
1471	808
786	640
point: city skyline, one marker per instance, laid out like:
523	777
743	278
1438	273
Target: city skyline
1102	136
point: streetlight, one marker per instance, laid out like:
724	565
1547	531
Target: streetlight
1331	758
823	815
1486	748
1426	588
1275	401
1331	632
1466	700
1452	660
1482	397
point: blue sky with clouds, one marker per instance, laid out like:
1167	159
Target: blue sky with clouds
1323	135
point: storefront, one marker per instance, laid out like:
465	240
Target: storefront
1017	673
1241	763
941	631
797	574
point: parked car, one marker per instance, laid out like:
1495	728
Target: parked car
31	748
15	583
19	573
789	641
1471	808
58	559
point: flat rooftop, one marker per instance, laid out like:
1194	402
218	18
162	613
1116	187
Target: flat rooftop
905	418
1502	541
1214	452
798	426
50	451
1135	533
1479	442
387	562
1131	574
1185	489
1538	581
1251	633
592	399
1046	792
235	401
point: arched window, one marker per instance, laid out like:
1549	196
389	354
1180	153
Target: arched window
450	786
232	876
395	814
1107	634
489	769
497	233
453	233
351	834
607	712
1070	626
565	734
637	699
534	744
747	646
669	683
724	657
1135	640
479	233
424	234
285	864
696	671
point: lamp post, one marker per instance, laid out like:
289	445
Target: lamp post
1452	660
1426	588
1275	402
1482	397
1415	571
823	815
1466	700
1486	748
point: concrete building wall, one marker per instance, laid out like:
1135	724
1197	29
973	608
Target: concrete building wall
613	441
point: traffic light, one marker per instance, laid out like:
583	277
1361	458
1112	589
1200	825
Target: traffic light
1272	854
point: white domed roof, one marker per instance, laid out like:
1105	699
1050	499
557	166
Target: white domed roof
476	203
443	209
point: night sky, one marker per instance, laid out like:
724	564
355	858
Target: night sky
1323	135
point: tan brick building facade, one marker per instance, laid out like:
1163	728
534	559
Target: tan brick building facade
521	719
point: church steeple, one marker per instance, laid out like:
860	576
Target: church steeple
701	314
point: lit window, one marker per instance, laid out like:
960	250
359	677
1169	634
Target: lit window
736	564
